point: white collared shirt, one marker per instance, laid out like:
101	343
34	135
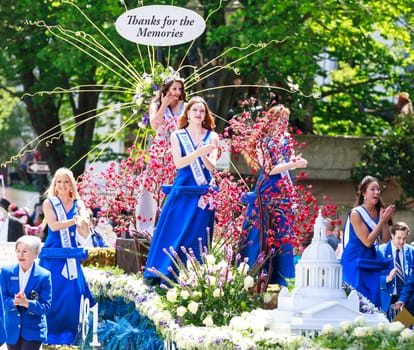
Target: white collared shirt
24	277
84	242
394	256
394	253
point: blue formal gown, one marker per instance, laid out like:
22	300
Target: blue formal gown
182	222
63	317
283	266
362	266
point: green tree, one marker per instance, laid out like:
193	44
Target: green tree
14	125
35	61
291	37
368	45
390	157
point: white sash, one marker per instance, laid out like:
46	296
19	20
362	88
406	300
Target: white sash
365	217
195	166
69	270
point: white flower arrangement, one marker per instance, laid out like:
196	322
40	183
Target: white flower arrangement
245	331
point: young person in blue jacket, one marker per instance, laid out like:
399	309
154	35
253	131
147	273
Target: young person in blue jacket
27	293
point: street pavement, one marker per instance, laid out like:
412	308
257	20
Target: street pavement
23	199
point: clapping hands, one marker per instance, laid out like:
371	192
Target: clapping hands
204	150
20	299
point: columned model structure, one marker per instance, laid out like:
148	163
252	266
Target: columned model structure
318	297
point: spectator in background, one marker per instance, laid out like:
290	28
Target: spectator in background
106	230
23	216
10	228
23	174
402	267
402	108
404	105
334	239
93	238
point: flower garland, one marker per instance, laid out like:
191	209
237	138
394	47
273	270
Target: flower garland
148	87
245	331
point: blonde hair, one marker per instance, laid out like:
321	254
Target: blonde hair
51	191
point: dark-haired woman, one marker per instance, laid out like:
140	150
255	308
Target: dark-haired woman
164	110
366	225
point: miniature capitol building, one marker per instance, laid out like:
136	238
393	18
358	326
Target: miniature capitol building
318	297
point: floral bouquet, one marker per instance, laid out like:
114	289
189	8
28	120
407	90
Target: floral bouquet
209	292
147	88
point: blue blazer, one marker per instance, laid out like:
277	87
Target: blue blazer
407	293
30	322
387	289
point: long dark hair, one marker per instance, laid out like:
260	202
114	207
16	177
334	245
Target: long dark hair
362	189
166	84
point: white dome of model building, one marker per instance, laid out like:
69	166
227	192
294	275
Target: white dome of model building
318	297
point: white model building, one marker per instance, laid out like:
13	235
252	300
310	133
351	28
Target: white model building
318	297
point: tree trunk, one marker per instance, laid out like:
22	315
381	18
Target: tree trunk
45	121
86	120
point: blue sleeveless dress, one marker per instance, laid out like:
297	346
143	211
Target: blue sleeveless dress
182	221
361	265
283	266
63	317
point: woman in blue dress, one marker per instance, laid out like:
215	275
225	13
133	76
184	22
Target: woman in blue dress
366	224
164	110
187	214
268	223
64	212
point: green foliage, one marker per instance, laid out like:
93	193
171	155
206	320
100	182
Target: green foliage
352	55
391	156
14	125
368	45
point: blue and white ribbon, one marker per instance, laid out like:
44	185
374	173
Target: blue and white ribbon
69	270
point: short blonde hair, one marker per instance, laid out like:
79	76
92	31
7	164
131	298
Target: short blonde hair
33	242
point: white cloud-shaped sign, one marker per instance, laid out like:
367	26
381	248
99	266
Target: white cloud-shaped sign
160	25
